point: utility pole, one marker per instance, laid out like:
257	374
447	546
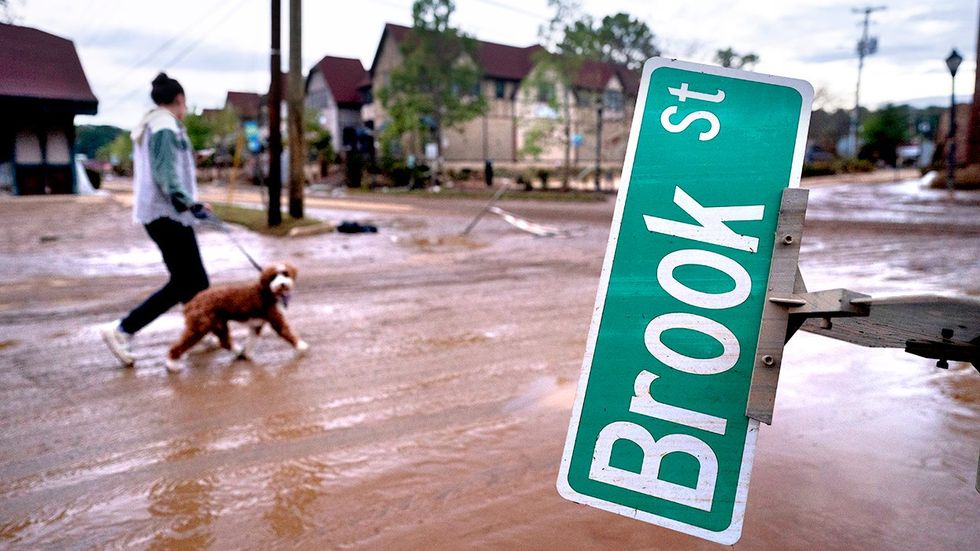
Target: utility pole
297	141
275	134
867	46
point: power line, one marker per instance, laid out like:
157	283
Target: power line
180	55
166	44
106	24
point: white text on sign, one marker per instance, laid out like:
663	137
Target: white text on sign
711	228
682	94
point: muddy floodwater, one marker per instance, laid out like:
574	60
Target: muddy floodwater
432	407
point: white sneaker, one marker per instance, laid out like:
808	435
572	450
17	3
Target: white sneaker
118	343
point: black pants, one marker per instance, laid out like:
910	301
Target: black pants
182	256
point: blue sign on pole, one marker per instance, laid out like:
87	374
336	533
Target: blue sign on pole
252	136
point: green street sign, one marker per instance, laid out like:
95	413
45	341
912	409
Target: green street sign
658	429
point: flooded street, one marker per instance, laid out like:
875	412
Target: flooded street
432	407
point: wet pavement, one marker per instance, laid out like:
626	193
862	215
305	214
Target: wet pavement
432	407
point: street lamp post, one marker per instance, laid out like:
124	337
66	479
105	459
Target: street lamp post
953	63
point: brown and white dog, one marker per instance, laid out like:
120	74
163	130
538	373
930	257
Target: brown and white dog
259	303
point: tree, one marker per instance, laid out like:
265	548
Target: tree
119	152
569	40
573	40
827	128
89	139
8	13
436	88
729	58
620	39
882	132
208	131
199	131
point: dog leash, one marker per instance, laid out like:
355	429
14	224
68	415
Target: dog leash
217	222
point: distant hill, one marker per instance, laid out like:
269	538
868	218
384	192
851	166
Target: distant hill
931	101
88	138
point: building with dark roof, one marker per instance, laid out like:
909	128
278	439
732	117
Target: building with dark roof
335	91
42	88
247	105
515	112
254	106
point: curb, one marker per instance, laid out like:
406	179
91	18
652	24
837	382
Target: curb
315	229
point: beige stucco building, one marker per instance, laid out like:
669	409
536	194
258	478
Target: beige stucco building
526	117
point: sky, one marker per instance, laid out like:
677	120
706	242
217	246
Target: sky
214	46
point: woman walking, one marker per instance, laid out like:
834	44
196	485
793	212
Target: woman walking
165	189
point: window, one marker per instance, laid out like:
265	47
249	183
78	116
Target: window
318	99
501	89
546	92
613	100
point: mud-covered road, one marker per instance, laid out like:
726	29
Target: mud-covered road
432	407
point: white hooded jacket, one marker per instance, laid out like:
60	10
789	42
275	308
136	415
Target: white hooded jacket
151	199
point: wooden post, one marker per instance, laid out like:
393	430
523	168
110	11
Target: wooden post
297	141
275	133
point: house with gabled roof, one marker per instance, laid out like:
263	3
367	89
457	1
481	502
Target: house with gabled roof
254	106
247	105
335	91
515	110
42	88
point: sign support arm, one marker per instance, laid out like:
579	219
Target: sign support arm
775	316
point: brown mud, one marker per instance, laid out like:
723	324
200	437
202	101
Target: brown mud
432	408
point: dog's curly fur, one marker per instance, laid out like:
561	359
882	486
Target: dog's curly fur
258	303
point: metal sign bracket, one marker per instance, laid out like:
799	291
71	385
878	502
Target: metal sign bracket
788	305
775	316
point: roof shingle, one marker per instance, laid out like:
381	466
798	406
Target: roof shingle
246	104
498	60
343	75
514	63
36	64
